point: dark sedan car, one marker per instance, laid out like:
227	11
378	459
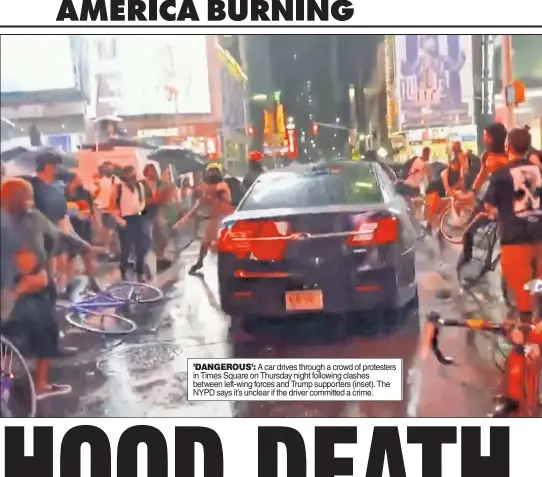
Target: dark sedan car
317	238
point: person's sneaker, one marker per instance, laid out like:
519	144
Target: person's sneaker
196	267
53	390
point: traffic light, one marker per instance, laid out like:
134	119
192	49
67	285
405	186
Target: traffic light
314	128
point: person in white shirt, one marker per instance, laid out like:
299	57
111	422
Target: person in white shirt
417	173
130	197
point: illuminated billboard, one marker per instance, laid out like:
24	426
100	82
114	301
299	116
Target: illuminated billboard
434	80
52	70
162	75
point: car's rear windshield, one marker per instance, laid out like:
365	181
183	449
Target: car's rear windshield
333	185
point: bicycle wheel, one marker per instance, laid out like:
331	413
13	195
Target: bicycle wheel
104	322
18	395
134	292
453	225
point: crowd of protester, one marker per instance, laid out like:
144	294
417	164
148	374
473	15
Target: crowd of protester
53	230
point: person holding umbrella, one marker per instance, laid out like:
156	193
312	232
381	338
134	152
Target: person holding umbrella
215	198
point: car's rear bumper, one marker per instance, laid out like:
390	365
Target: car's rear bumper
266	296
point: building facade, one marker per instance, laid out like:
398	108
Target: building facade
55	101
182	90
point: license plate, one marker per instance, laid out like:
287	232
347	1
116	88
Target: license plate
305	300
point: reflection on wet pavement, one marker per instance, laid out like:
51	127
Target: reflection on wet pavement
145	373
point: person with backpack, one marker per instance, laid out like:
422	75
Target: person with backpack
416	170
134	229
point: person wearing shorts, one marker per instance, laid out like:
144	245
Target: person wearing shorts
214	197
449	180
418	171
33	317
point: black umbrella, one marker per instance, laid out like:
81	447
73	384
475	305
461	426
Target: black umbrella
13	152
113	142
25	161
184	160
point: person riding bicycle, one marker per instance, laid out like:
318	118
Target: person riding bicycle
514	195
450	180
214	198
493	159
416	172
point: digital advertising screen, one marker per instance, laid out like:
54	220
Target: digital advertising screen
30	63
168	75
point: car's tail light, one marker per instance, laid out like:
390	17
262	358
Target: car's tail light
261	239
373	232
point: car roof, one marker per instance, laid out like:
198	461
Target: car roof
300	168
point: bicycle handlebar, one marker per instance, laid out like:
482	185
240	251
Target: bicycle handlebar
533	334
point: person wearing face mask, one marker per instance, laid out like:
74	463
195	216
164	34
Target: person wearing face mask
214	200
134	229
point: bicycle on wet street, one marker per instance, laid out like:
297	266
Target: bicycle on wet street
17	392
106	311
523	366
455	217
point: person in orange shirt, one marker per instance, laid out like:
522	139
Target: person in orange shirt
493	159
214	198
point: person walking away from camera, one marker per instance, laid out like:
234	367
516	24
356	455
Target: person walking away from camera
50	201
82	217
514	196
214	199
255	168
494	158
418	171
134	228
33	317
105	183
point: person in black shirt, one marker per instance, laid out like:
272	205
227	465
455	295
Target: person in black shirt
255	168
515	197
51	202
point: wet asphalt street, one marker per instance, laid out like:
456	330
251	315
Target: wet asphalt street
144	374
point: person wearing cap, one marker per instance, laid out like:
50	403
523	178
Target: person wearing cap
255	168
50	201
214	199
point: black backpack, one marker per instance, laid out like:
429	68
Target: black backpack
407	166
237	190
